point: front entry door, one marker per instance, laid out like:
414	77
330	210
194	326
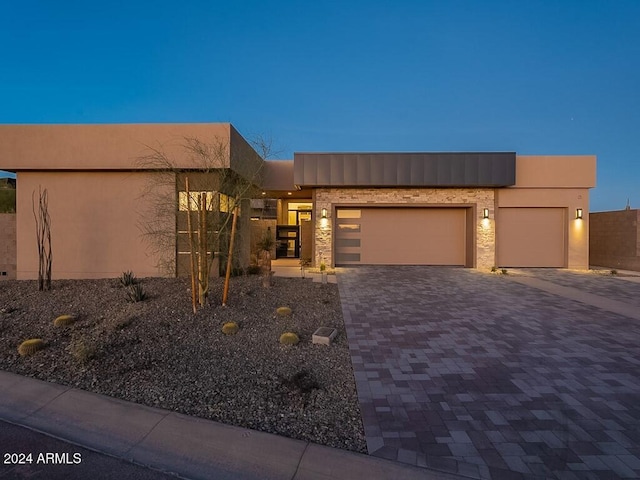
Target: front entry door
287	241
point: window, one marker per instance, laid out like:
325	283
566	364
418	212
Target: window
348	213
195	200
225	202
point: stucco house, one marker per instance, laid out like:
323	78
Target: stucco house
471	209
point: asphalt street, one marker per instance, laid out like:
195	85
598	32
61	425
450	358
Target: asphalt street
26	454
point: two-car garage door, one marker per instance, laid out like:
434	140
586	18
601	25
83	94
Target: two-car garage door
525	237
400	236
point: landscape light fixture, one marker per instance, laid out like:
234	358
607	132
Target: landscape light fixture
578	214
324	213
485	213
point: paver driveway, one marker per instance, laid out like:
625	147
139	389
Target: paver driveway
483	375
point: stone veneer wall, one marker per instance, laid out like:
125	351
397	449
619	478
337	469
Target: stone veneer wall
8	246
481	197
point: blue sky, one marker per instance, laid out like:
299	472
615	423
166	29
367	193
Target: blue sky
535	77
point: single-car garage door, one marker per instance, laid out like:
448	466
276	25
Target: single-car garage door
531	237
400	236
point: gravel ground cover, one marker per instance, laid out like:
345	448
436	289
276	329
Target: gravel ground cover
158	353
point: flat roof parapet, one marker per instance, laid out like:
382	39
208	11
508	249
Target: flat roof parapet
444	169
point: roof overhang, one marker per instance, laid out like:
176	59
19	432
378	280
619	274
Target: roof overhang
485	169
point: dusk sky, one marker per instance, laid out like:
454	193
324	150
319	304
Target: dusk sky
534	77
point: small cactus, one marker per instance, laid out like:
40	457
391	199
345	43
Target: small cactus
289	338
31	346
283	311
230	328
64	320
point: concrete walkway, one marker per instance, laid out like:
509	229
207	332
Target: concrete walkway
497	376
190	447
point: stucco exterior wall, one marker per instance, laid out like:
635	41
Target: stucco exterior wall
95	224
8	244
330	198
614	239
555	171
577	231
102	147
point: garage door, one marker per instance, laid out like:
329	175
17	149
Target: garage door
400	236
531	237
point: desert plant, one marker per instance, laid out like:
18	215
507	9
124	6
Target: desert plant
265	245
494	269
323	266
283	311
31	346
135	293
64	320
43	237
230	328
123	323
614	272
504	271
82	351
304	263
128	278
302	381
289	338
253	270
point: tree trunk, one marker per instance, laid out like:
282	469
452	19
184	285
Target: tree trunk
192	253
230	257
203	274
265	267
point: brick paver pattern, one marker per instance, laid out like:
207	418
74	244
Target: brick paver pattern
476	374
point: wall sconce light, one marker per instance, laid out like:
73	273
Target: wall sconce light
485	213
578	214
324	213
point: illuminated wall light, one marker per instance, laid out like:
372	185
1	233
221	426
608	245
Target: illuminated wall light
578	214
324	213
485	213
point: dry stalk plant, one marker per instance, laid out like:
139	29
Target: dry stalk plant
43	237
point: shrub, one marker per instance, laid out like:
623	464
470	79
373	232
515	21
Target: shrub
230	328
267	242
289	338
253	270
135	293
614	272
283	311
123	323
82	351
303	381
128	278
31	346
494	269
64	320
504	271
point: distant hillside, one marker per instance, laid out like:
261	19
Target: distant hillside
7	195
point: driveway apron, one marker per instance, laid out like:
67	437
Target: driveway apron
477	374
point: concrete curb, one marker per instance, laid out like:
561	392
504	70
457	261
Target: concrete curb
190	447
